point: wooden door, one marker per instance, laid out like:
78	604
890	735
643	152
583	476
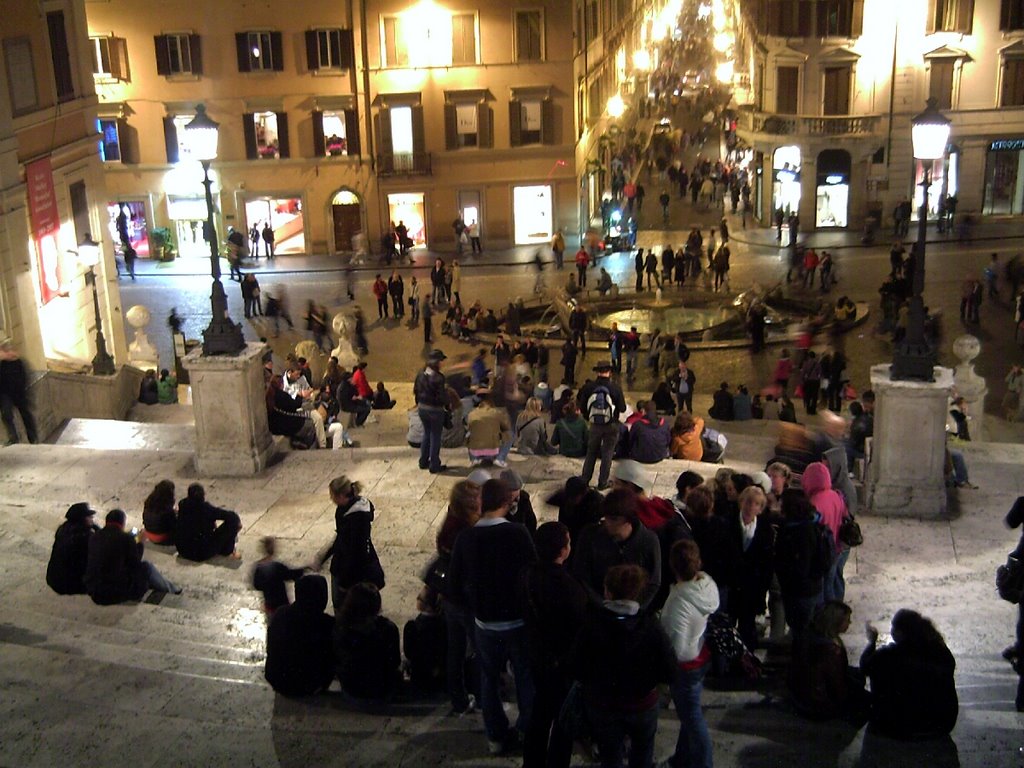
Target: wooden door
347	221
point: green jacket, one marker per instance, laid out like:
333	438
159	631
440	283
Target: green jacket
167	390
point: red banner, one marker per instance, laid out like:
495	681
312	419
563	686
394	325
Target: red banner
45	218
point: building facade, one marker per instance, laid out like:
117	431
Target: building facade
339	119
52	185
835	84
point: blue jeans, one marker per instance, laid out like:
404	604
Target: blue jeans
611	729
430	448
157	581
693	747
496	649
835	584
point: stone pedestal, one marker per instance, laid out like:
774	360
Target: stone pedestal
232	437
908	447
970	385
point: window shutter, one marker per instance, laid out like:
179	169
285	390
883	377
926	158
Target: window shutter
383	122
195	51
171	139
319	145
347	51
119	58
355	147
805	14
163	57
484	125
126	146
515	123
547	122
857	19
283	149
932	15
242	49
249	130
312	51
276	52
966	16
451	129
419	140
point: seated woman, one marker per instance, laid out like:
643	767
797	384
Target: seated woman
425	641
199	537
167	388
149	392
663	399
286	416
65	572
686	442
366	650
823	683
158	515
570	435
913	694
531	431
382	398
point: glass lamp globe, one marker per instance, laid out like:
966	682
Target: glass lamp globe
201	135
930	132
88	251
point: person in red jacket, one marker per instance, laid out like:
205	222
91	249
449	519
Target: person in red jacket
380	291
810	266
582	262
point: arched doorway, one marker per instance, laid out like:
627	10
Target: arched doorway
347	216
832	193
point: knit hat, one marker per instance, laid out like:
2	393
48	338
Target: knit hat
78	512
629	471
479	476
512	479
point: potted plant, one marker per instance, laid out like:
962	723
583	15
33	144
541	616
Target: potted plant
163	246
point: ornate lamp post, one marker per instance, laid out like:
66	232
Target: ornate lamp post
914	357
222	336
89	257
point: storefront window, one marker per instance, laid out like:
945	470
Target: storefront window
409	209
532	210
786	180
128	218
284	215
938	189
1004	178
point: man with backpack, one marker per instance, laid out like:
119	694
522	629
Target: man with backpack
601	402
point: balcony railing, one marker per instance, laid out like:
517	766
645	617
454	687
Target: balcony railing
410	163
800	125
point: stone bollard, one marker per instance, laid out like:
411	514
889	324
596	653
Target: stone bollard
969	385
141	353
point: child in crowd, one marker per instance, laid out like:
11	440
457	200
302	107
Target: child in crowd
269	576
425	641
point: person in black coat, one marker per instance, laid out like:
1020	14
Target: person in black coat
1015	653
299	657
14	395
521	510
425	643
913	694
578	506
65	573
352	554
753	548
286	417
722	405
620	656
366	650
553	607
199	537
115	571
799	563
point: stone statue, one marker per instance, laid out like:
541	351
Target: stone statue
344	326
141	352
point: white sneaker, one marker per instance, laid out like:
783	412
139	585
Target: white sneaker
500	463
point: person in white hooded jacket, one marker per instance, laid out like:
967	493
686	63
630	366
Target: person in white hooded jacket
692	598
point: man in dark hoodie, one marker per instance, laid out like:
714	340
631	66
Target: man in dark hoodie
649	437
800	563
299	656
65	573
484	571
115	571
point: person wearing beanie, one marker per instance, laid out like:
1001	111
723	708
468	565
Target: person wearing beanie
115	571
578	507
65	572
618	539
300	658
521	510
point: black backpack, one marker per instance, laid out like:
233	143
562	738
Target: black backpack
600	408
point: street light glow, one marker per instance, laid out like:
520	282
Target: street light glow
641	60
616	106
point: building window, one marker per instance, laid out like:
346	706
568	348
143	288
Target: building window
1011	15
110	140
335	133
1013	83
592	19
394	51
60	56
178	54
174	137
940	82
259	52
463	38
790	18
21	75
468	124
787	96
840	18
266	135
531	121
836	99
329	49
529	34
951	16
401	139
109	58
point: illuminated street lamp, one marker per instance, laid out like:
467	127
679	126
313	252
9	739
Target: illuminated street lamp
914	357
89	256
222	337
616	106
